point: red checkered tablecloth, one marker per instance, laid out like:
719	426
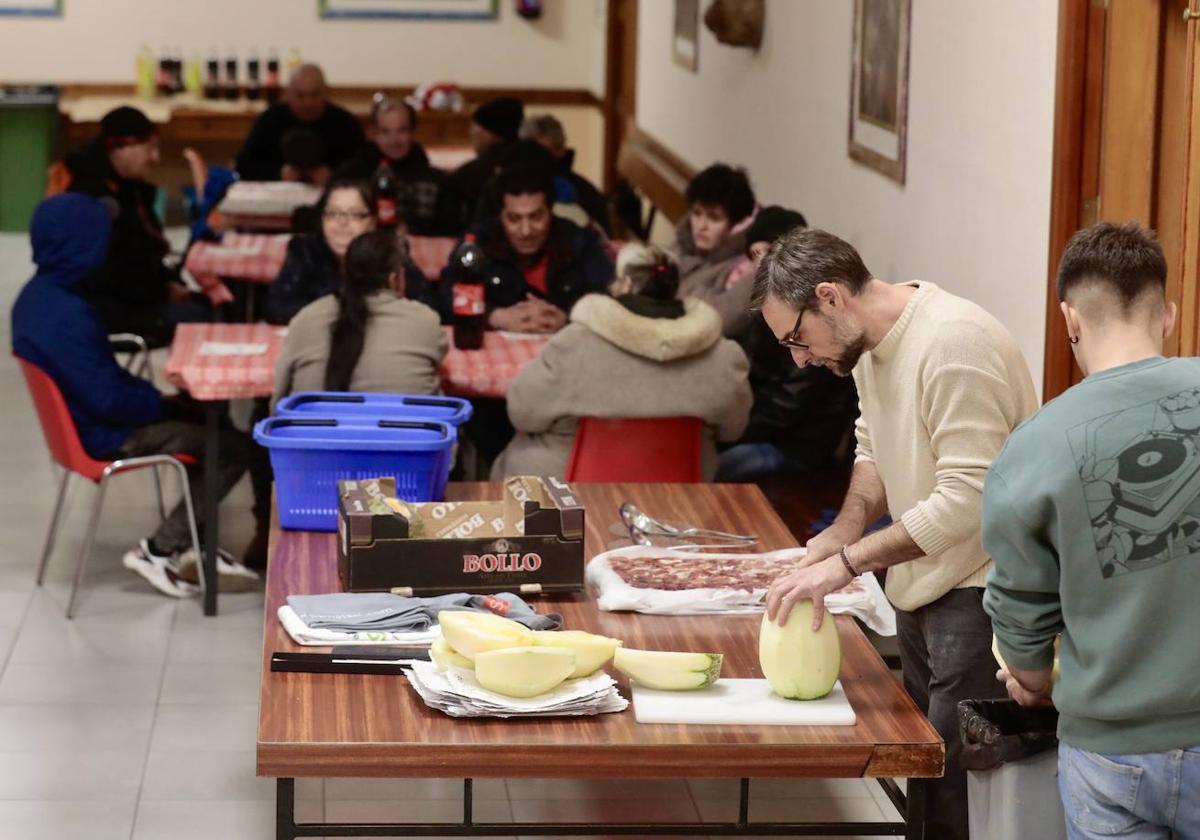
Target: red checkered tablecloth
254	257
257	258
431	253
489	371
225	361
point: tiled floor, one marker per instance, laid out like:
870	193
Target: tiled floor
137	719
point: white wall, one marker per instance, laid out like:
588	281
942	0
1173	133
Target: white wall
97	41
974	213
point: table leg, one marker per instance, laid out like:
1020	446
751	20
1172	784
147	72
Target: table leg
285	809
915	813
212	439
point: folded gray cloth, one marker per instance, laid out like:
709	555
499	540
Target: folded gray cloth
363	611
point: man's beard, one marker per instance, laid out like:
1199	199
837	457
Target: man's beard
853	346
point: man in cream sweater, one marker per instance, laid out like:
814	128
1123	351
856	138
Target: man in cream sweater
941	385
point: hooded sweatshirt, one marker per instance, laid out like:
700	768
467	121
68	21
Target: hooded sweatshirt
56	329
611	362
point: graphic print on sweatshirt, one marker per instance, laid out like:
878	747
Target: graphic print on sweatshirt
1140	470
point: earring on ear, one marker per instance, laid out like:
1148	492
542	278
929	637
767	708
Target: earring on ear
1074	339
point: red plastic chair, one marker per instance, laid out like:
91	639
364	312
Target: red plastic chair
62	438
657	449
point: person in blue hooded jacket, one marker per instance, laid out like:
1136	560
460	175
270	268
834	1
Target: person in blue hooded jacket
116	414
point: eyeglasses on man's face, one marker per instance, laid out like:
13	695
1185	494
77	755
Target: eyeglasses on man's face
792	339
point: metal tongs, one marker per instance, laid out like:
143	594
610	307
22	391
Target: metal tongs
642	527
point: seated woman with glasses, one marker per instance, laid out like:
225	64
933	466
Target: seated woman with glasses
640	353
314	263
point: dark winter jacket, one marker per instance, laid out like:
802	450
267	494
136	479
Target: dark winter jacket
470	179
56	329
577	265
425	198
808	413
586	195
261	157
310	271
133	271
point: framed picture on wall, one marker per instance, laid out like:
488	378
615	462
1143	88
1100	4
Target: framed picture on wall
408	9
32	8
685	36
879	85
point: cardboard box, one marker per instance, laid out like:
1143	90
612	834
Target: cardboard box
529	541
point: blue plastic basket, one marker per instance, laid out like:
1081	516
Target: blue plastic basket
311	455
348	404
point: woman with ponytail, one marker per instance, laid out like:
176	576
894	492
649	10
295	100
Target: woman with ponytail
640	353
367	336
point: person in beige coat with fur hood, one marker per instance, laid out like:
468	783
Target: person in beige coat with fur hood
640	353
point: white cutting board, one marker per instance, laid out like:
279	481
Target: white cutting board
740	701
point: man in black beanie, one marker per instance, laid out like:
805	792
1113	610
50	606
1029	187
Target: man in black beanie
494	127
133	290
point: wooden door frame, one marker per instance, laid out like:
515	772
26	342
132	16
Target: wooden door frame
620	73
1076	163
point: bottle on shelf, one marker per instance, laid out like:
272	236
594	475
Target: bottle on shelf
212	75
178	84
293	63
253	82
193	74
163	78
231	88
470	308
271	84
146	73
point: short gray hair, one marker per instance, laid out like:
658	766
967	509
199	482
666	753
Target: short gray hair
799	261
545	128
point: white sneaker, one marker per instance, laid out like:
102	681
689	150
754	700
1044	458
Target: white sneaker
232	576
159	570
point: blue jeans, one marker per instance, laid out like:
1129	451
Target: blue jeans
1149	796
748	462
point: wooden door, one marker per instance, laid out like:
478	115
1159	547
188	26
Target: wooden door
1187	231
1126	147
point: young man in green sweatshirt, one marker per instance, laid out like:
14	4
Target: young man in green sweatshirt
941	385
1092	516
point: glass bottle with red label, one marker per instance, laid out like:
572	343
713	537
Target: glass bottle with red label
385	196
470	308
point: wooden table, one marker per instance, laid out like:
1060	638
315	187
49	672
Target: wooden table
324	725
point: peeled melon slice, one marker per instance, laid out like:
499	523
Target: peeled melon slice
1004	665
524	671
591	651
669	670
472	633
798	663
444	656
